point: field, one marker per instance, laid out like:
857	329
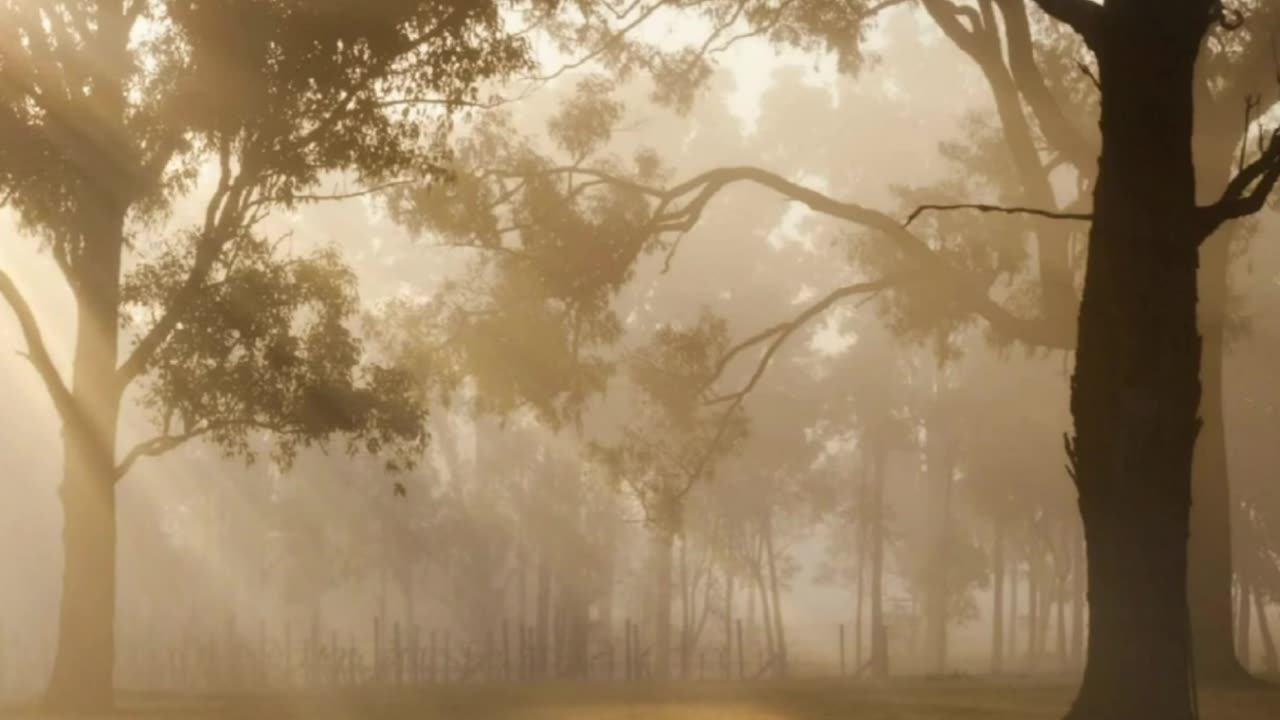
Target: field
902	700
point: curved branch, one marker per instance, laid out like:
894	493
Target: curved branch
1058	129
1237	199
37	352
680	207
780	332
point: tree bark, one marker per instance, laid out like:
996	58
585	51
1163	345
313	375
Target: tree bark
84	666
1136	389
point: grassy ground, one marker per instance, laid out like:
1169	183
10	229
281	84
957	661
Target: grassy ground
904	700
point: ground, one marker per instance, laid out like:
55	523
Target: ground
902	700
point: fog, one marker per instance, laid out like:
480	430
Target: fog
647	455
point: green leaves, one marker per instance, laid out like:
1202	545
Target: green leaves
267	346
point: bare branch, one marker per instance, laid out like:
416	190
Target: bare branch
781	332
1238	200
37	352
364	192
1052	215
157	446
677	213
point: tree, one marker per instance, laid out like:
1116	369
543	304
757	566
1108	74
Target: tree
671	446
111	112
1136	387
1044	96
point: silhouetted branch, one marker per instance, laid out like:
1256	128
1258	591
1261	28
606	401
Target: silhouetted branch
162	444
37	352
1238	200
680	207
780	332
363	192
1059	131
1053	215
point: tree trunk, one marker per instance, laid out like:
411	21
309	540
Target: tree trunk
1013	610
728	620
1033	609
859	587
1243	629
939	469
542	620
1264	630
1209	554
879	641
780	635
84	666
1136	389
1078	571
664	548
686	611
997	599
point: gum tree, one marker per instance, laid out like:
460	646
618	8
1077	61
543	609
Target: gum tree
113	113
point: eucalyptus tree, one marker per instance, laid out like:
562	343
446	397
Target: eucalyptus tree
114	113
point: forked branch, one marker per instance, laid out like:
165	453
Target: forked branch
1247	192
37	352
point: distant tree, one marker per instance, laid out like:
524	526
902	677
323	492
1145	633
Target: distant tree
111	113
671	445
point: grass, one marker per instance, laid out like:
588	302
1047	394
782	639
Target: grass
899	700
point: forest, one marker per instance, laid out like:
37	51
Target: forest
675	359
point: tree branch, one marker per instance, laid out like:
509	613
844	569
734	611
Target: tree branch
162	444
1058	129
37	352
1237	199
674	216
1051	214
780	332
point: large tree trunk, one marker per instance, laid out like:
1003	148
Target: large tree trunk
1136	389
997	599
83	670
